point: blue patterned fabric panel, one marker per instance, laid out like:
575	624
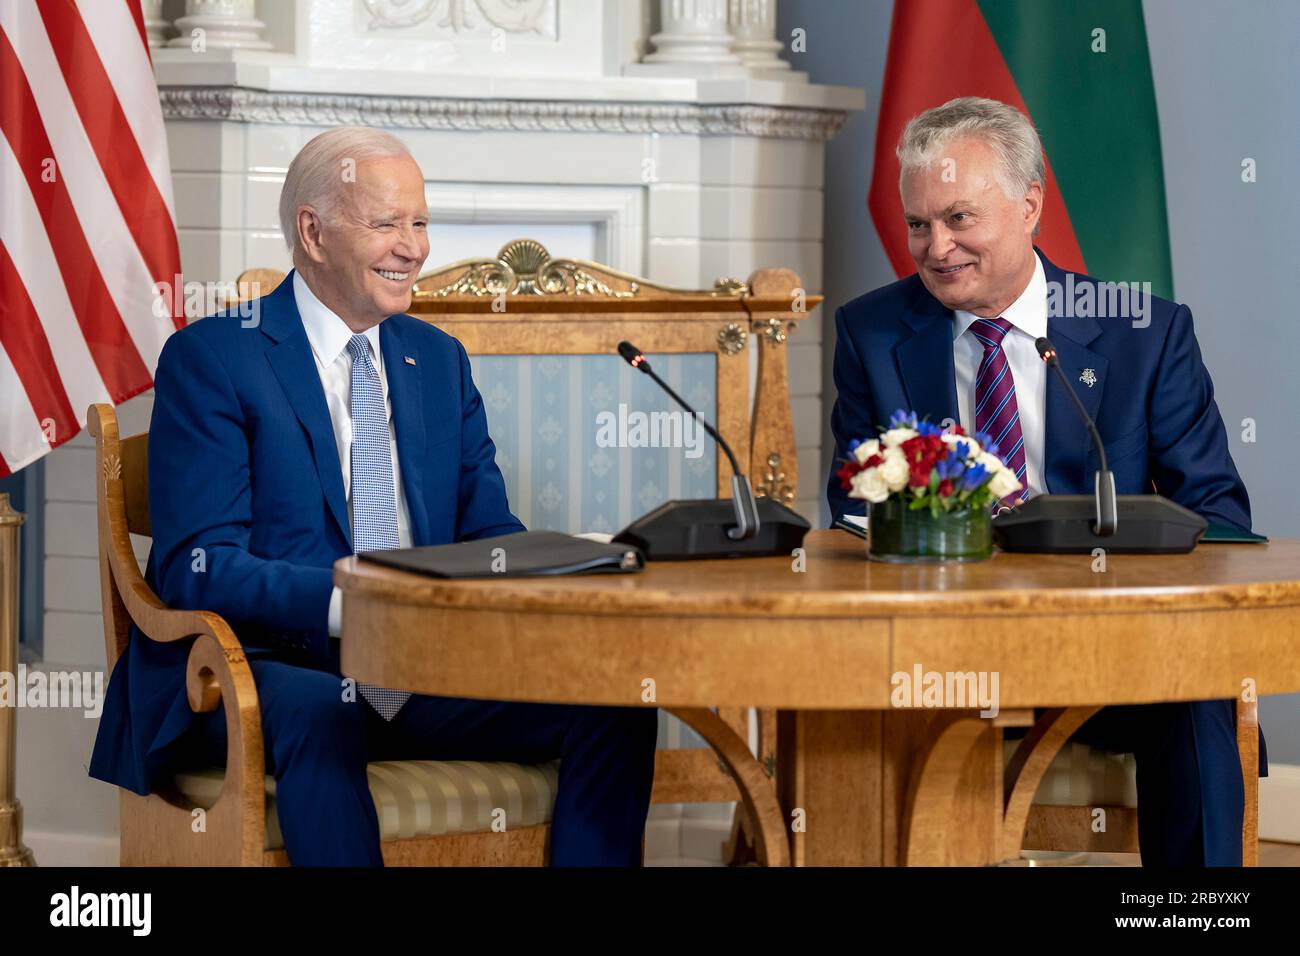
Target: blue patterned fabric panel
544	416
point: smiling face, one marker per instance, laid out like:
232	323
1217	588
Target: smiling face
363	256
972	243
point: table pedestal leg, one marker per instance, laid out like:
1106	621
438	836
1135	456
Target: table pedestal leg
904	787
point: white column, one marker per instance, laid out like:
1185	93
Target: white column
226	25
693	41
753	26
155	26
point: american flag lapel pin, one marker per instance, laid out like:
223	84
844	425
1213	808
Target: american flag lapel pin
408	360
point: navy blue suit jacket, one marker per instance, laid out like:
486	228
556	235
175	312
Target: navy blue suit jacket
1153	401
243	464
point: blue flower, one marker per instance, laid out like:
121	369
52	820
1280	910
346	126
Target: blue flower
961	449
928	430
974	477
949	467
853	445
902	419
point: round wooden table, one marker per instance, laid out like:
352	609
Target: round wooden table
865	774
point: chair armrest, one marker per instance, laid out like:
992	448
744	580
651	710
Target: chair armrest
218	672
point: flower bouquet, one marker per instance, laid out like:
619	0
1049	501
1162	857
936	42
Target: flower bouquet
930	490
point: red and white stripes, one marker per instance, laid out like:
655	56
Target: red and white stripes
87	222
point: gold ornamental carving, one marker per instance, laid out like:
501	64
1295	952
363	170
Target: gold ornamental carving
731	338
525	267
773	329
775	484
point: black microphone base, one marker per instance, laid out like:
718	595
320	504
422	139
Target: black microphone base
1062	524
685	530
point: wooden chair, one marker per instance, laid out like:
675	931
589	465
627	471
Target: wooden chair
551	307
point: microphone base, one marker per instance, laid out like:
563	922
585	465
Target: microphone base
1062	524
689	530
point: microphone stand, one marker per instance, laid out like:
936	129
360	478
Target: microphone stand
742	492
1104	481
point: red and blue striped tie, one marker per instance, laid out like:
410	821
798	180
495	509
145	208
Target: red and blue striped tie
996	413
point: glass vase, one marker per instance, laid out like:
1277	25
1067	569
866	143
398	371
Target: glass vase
900	535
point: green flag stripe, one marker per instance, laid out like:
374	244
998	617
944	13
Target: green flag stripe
1096	113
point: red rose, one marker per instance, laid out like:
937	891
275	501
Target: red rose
846	473
945	488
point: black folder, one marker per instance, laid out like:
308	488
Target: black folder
520	555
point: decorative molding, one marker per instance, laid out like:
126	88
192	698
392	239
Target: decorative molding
239	105
512	16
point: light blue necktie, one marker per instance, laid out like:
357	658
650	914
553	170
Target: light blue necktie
374	502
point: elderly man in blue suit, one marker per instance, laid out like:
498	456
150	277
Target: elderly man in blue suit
972	190
335	424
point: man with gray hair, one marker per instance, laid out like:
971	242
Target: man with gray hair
956	344
339	424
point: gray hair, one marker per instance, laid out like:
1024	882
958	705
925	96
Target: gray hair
315	176
1006	130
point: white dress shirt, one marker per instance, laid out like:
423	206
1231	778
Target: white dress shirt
1028	318
329	336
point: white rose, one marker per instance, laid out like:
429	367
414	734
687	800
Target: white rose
1004	483
870	485
895	471
866	450
975	449
992	463
896	436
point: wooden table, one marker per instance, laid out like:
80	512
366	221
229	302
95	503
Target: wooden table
862	780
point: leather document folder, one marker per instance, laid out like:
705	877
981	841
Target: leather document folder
524	554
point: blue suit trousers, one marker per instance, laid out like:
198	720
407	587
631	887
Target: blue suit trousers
317	746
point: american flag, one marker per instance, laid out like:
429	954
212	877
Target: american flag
87	223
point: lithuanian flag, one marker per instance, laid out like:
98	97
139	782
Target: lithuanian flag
1082	73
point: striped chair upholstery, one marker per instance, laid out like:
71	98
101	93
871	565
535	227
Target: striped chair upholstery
416	798
1083	776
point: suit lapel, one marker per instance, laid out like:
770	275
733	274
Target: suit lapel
925	361
294	366
1067	440
408	423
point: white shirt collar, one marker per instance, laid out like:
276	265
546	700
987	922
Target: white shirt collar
328	334
1028	313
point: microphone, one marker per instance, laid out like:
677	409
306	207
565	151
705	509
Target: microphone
742	493
1079	524
1104	480
711	528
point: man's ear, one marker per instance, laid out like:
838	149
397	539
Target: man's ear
310	226
1033	206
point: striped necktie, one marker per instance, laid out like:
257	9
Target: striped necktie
374	503
996	412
